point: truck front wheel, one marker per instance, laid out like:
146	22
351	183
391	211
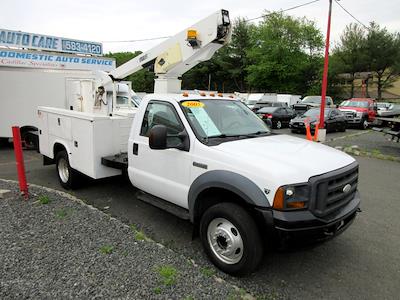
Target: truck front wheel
230	238
67	176
364	124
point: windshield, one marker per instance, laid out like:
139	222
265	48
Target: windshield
251	102
268	109
315	99
122	100
353	103
136	101
315	112
222	119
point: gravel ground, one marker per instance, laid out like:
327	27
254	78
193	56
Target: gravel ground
66	249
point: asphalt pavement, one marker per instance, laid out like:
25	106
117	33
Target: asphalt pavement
362	263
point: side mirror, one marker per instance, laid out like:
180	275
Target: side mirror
158	137
185	144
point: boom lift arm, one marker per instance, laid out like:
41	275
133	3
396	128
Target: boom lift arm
175	56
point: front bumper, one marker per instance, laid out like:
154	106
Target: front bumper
355	120
302	224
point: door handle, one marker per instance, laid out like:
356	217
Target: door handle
135	149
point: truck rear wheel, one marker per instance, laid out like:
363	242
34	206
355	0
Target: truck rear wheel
67	176
230	239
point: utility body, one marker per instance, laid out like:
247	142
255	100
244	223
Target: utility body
209	159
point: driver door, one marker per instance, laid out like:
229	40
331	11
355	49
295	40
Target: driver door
162	173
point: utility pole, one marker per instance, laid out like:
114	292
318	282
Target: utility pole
325	77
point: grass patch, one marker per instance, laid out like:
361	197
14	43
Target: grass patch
208	272
106	249
157	290
139	235
61	213
168	275
44	199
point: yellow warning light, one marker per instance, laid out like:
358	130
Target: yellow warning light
192	34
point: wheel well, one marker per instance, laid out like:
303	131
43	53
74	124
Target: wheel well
57	148
28	128
212	196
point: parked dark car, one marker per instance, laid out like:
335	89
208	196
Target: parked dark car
311	102
335	120
261	104
276	117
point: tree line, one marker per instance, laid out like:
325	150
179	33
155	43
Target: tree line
284	54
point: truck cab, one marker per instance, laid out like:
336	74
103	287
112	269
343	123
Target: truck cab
359	111
239	183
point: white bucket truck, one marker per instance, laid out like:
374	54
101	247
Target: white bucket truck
208	159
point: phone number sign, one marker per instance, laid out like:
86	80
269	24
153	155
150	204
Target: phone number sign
19	39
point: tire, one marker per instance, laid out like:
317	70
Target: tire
364	124
68	177
229	225
343	128
4	142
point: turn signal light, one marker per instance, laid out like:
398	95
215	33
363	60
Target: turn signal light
212	95
202	94
279	199
185	94
220	95
298	204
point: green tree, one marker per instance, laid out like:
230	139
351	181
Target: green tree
286	57
143	80
383	54
350	55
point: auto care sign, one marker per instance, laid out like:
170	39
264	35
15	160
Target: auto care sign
19	39
48	60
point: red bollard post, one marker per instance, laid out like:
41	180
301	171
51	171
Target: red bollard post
19	159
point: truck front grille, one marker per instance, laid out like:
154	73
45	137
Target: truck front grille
333	190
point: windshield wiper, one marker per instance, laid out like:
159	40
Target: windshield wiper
223	135
253	134
258	133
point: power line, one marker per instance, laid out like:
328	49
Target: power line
248	20
366	27
140	40
283	10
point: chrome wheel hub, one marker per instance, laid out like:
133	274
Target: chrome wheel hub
225	241
63	170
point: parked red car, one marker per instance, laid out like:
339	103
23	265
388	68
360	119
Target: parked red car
359	111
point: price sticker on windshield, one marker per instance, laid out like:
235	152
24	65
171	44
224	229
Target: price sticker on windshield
193	104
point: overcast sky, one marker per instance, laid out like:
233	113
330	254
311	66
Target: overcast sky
111	20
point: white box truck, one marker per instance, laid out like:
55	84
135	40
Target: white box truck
29	78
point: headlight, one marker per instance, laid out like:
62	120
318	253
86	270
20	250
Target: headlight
290	197
359	114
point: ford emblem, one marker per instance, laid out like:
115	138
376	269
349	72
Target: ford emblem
346	188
